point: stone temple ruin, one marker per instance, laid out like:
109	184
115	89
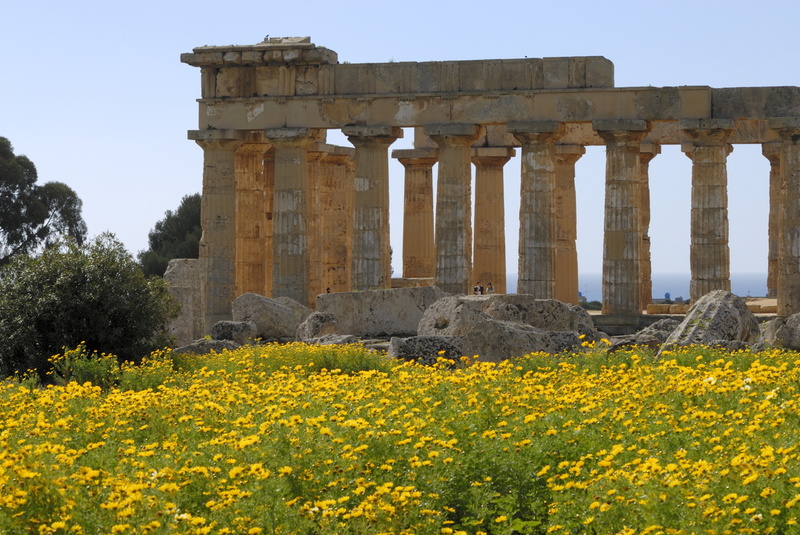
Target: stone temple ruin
286	214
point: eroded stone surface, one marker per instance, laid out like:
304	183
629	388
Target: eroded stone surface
275	319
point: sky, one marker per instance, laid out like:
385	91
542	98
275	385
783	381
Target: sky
94	93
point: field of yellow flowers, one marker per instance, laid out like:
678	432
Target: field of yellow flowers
317	440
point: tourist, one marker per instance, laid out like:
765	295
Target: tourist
489	288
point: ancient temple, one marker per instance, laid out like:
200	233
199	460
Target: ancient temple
286	214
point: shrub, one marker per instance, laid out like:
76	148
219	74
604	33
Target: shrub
93	294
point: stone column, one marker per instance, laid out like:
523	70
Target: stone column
371	267
566	223
489	246
537	229
647	151
251	219
217	217
622	239
336	194
772	151
454	205
291	253
709	254
419	258
789	241
315	228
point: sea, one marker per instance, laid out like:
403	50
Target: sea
676	285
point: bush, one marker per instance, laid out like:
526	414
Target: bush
94	296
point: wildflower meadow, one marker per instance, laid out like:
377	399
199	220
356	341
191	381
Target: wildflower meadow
320	440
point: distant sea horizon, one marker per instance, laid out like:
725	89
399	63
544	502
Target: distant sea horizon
676	285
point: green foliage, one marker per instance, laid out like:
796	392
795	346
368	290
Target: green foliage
175	236
32	216
93	294
81	366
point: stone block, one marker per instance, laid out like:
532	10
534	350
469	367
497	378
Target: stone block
184	279
599	72
678	309
658	308
556	73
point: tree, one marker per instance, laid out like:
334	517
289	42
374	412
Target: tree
94	293
175	236
33	216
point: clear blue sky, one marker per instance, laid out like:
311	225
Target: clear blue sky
95	93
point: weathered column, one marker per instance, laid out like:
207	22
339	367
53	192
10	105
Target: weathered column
217	217
371	246
537	229
789	241
315	228
489	245
622	239
336	203
566	223
419	253
772	151
291	254
709	254
252	191
454	205
647	151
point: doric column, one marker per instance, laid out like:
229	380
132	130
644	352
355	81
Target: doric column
789	241
647	151
315	228
218	220
454	205
291	254
566	223
537	229
622	239
419	258
772	151
371	266
336	203
489	245
252	192
709	254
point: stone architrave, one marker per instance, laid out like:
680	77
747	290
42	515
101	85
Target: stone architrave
454	205
336	205
709	254
647	151
217	218
291	253
253	228
788	295
371	266
537	228
489	249
566	223
622	240
772	151
419	253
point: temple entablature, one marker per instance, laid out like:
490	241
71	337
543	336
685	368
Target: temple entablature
285	214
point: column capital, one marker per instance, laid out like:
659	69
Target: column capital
218	139
621	131
772	151
425	157
787	127
569	153
705	132
369	134
492	156
648	151
453	133
537	131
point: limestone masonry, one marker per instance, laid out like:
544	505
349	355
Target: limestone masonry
286	214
